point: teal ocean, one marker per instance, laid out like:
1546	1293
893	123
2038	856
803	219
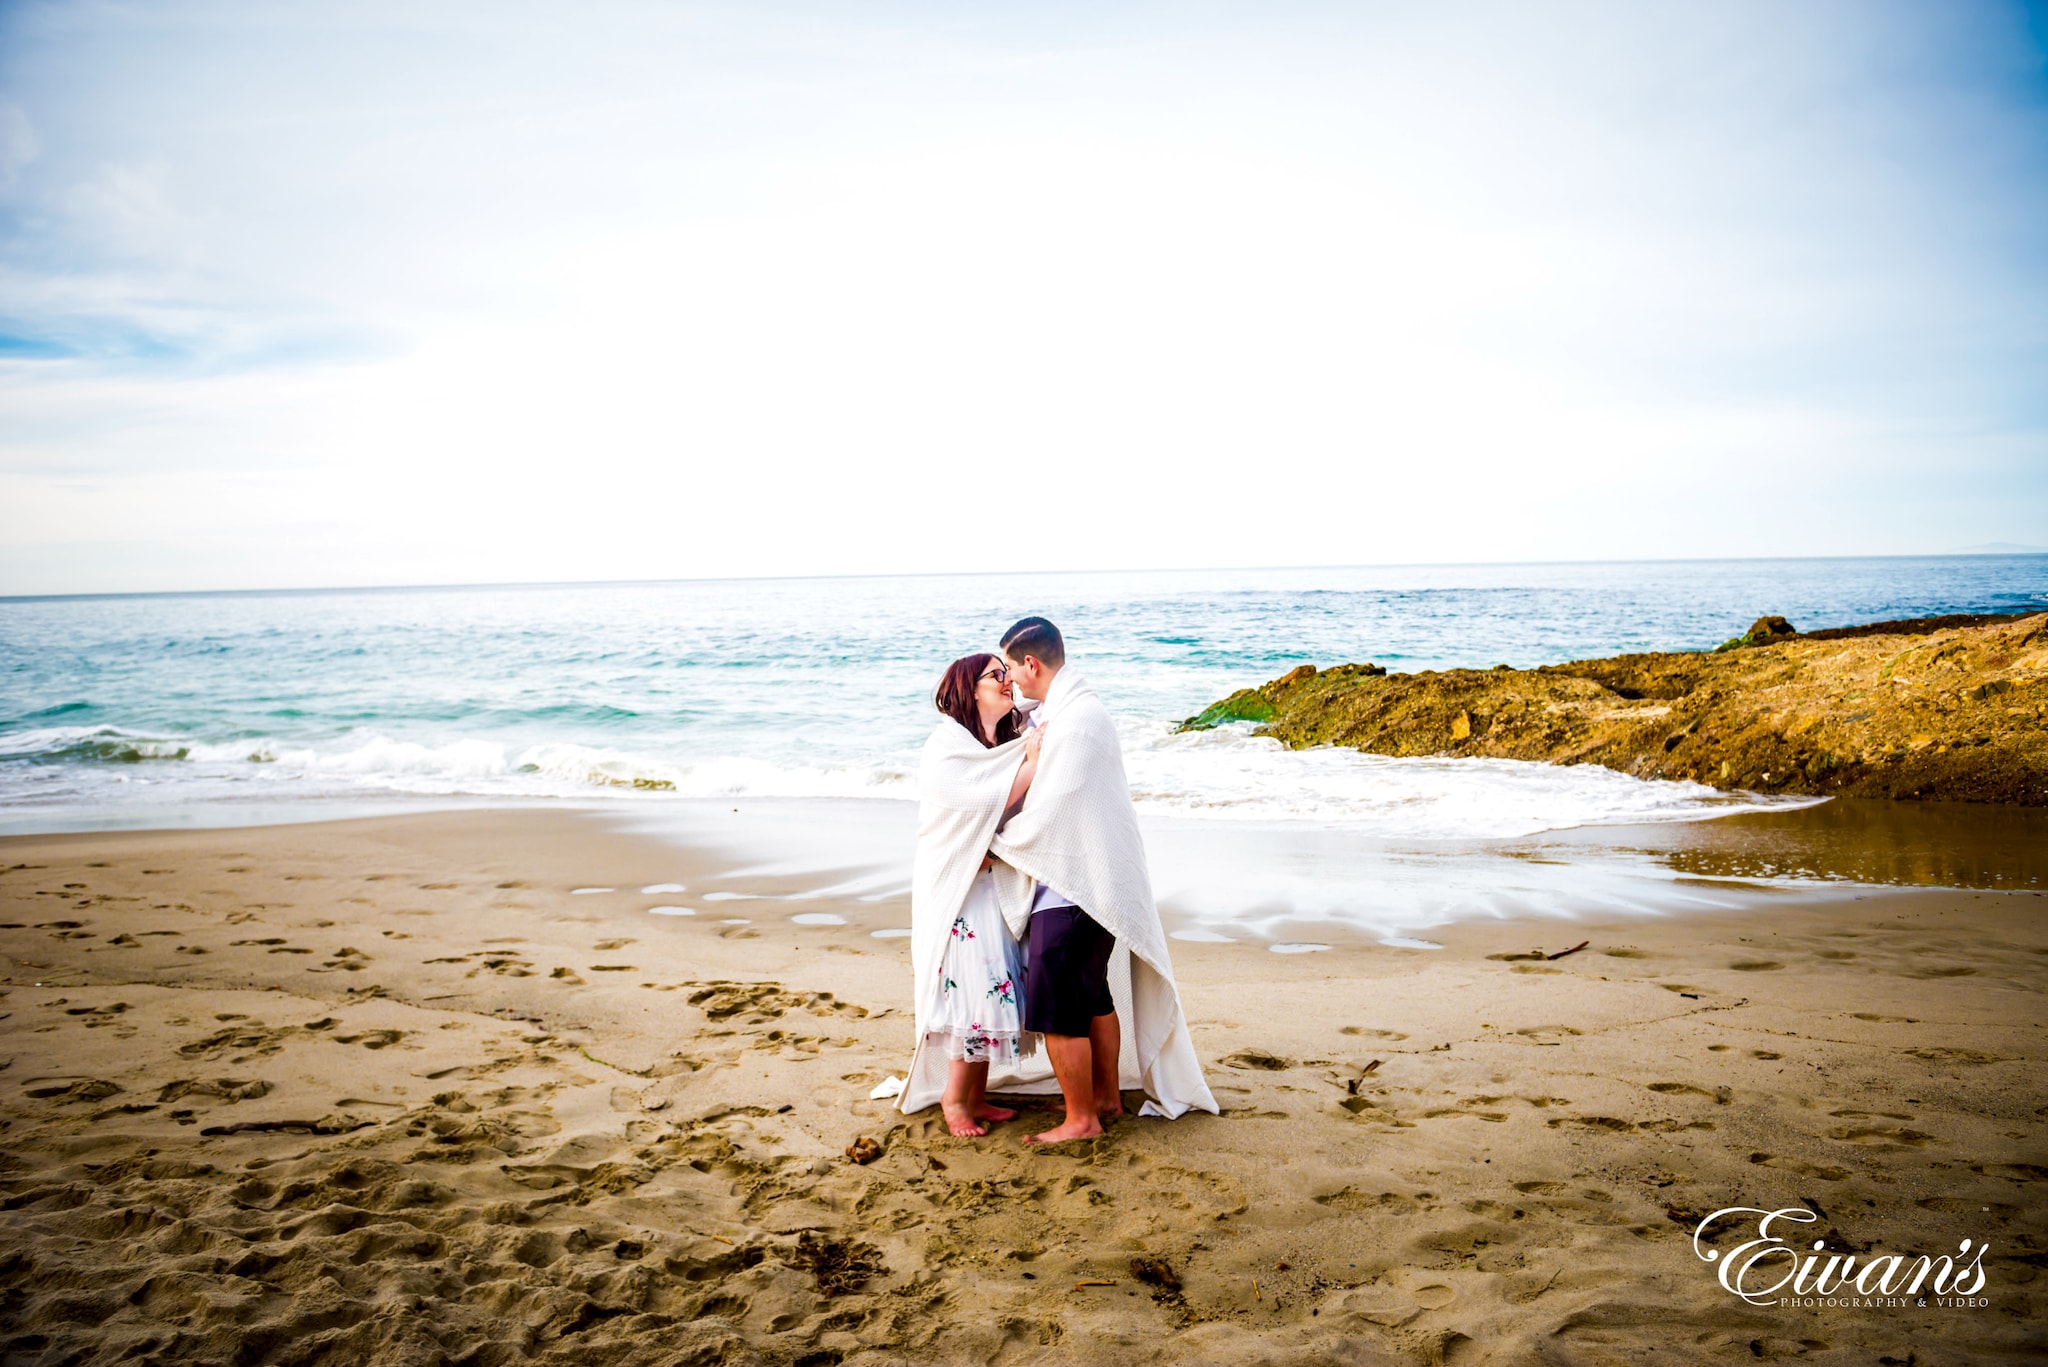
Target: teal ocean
131	710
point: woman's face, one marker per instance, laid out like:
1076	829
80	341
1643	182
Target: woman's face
992	689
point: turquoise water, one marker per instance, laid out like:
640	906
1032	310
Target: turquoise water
656	692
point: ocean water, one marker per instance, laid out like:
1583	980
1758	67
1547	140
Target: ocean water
134	710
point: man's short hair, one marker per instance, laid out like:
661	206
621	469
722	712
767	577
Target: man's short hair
1036	636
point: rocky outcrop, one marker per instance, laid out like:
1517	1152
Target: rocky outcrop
1952	708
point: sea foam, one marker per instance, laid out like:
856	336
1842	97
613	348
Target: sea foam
1226	774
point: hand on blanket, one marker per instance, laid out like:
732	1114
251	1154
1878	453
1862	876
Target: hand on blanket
1033	739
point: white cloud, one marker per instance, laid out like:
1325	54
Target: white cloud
397	296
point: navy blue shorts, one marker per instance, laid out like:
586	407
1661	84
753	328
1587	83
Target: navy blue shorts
1066	977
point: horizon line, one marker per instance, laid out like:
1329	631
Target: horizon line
479	586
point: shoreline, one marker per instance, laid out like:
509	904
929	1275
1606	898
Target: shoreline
1253	876
418	1098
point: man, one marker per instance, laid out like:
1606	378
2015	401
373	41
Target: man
1076	838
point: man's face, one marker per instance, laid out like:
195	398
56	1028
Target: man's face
1028	676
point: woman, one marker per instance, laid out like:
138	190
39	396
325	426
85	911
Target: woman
977	766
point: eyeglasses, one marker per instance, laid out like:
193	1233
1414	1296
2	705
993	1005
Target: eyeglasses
999	674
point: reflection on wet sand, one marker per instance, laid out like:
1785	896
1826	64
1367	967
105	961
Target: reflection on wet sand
1917	844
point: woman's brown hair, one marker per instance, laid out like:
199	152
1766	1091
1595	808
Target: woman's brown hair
956	699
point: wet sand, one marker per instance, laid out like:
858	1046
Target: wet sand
396	1090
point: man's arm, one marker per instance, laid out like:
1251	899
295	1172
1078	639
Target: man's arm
1034	739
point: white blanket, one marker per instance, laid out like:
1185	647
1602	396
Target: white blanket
962	786
1078	833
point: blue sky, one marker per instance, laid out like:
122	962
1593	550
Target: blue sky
300	295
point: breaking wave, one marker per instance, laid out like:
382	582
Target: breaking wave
1227	774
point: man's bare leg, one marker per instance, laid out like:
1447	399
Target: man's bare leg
1074	1066
1105	1042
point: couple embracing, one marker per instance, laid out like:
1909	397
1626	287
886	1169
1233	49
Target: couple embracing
1036	945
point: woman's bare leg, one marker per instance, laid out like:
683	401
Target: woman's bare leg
965	1083
979	1107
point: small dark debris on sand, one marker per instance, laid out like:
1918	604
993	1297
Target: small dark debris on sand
1155	1272
840	1265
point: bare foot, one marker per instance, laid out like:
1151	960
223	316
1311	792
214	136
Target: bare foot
994	1115
1111	1109
961	1122
1073	1129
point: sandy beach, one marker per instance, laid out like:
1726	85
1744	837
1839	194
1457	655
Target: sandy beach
406	1090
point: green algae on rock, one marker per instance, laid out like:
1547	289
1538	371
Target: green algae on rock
1949	708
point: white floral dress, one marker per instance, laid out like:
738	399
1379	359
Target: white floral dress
980	1014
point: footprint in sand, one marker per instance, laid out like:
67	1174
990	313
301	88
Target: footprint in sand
505	966
372	1039
69	1089
1937	1055
1950	1205
1823	1173
253	1040
1548	1033
220	1089
721	1000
